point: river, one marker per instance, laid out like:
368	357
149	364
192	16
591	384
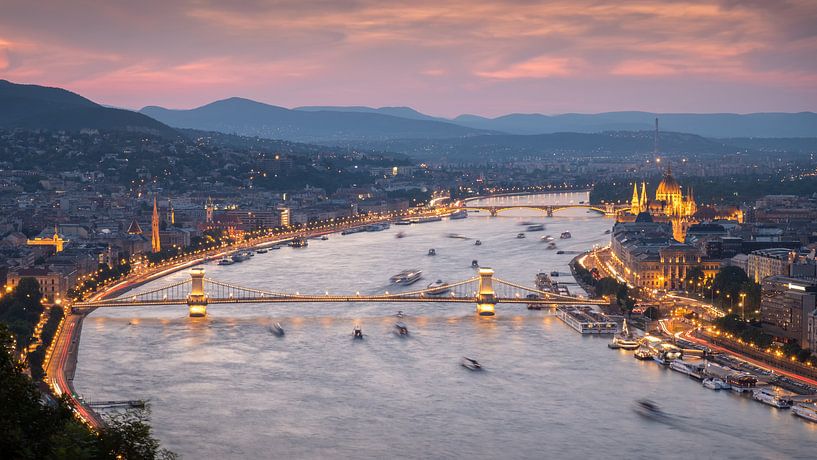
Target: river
224	387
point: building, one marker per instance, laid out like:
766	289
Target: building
646	255
54	284
787	304
155	238
769	262
669	205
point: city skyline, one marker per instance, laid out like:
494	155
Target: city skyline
442	59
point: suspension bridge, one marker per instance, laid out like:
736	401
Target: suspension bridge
197	292
608	209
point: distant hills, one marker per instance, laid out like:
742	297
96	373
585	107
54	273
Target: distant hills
250	118
41	107
717	125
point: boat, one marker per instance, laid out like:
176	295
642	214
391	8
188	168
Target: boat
554	273
358	333
298	242
400	235
547	238
477	243
565	235
324	237
225	261
694	370
534	305
647	408
239	257
461	214
768	395
352	230
400	328
277	246
400	314
557	252
261	251
470	364
741	382
378	227
422	220
457	236
666	353
402	222
643	353
520	235
535	228
438	287
807	411
277	329
624	339
407	277
607	232
432	252
551	245
714	383
474	264
525	223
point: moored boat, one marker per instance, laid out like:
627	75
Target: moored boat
741	382
642	353
769	395
807	411
225	261
461	214
714	383
624	339
694	370
261	251
298	242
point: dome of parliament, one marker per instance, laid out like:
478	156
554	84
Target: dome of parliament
668	187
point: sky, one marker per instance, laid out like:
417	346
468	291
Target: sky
441	57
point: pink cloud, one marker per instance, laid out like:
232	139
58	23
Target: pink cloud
540	67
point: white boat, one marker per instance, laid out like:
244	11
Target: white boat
432	252
714	383
565	235
520	235
407	277
625	339
772	397
225	261
240	257
261	251
438	287
535	228
402	222
694	370
461	214
470	364
642	353
298	242
277	246
741	382
807	411
547	238
422	220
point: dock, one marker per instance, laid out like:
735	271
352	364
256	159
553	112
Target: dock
130	404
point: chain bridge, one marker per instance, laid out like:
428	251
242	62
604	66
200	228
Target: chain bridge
484	290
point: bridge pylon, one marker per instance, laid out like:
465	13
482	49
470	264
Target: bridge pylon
550	211
197	299
493	211
486	296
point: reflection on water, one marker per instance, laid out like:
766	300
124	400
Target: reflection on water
224	387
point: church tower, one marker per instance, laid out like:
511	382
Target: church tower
635	204
155	240
643	200
209	207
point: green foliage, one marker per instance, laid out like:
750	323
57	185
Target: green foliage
35	359
30	429
21	310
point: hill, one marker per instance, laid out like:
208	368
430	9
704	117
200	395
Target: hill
41	107
250	118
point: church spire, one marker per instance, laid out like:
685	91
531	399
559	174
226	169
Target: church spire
643	201
155	240
635	205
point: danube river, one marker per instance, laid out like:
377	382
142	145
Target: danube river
224	387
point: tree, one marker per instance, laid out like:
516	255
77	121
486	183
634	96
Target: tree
694	276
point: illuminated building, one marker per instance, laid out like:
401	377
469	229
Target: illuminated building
785	307
55	240
155	238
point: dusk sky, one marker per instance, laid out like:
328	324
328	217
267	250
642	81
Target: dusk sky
440	57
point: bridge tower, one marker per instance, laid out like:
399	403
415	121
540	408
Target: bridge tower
610	209
486	297
197	300
550	211
493	211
